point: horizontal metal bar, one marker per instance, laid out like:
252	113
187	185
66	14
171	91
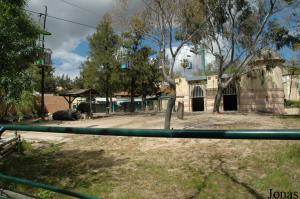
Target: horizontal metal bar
44	186
8	142
270	134
2	129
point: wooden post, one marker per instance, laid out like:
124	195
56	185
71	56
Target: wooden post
91	111
70	102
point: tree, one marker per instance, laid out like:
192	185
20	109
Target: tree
18	49
293	72
146	75
235	33
65	82
98	70
78	82
137	56
50	81
18	35
163	17
150	76
12	90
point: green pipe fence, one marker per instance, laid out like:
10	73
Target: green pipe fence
44	186
260	134
269	134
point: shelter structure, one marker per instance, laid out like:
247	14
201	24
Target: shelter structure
258	90
71	95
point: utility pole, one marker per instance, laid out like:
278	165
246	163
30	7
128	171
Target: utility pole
43	68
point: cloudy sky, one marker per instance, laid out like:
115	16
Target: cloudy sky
69	41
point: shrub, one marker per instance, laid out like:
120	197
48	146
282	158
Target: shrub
292	103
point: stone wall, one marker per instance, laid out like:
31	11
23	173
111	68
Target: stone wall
53	103
182	93
262	91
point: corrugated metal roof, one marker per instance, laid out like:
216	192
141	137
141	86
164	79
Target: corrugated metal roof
78	92
195	78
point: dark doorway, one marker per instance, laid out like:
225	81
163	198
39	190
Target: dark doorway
197	99
198	104
230	102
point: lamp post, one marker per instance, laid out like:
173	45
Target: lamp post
201	52
44	62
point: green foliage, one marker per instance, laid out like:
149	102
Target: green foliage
18	49
281	36
102	69
89	74
142	76
147	73
46	194
103	45
18	36
50	81
65	82
231	69
99	70
292	103
14	87
78	82
190	16
25	106
25	146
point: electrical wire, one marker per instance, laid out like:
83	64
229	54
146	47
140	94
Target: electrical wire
76	6
66	20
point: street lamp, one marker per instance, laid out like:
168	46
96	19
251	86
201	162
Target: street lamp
45	61
201	52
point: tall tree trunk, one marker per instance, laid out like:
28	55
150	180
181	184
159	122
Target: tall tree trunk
132	92
143	102
5	112
106	97
218	97
170	105
291	85
111	102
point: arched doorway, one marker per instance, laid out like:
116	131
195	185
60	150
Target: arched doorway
230	98
197	99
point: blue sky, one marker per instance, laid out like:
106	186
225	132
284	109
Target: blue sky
69	41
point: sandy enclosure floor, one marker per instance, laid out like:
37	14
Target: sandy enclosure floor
156	121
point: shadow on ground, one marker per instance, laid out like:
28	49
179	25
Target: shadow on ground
63	168
221	169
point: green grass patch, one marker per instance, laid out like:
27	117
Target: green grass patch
94	173
292	103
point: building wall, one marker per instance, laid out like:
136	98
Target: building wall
262	91
291	92
212	85
258	91
182	93
55	103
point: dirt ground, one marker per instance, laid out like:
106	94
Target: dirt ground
131	167
156	121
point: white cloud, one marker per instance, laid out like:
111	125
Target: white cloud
67	36
185	53
69	62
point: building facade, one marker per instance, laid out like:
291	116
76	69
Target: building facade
259	90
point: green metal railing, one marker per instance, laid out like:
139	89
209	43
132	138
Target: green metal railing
40	185
270	134
261	134
44	186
